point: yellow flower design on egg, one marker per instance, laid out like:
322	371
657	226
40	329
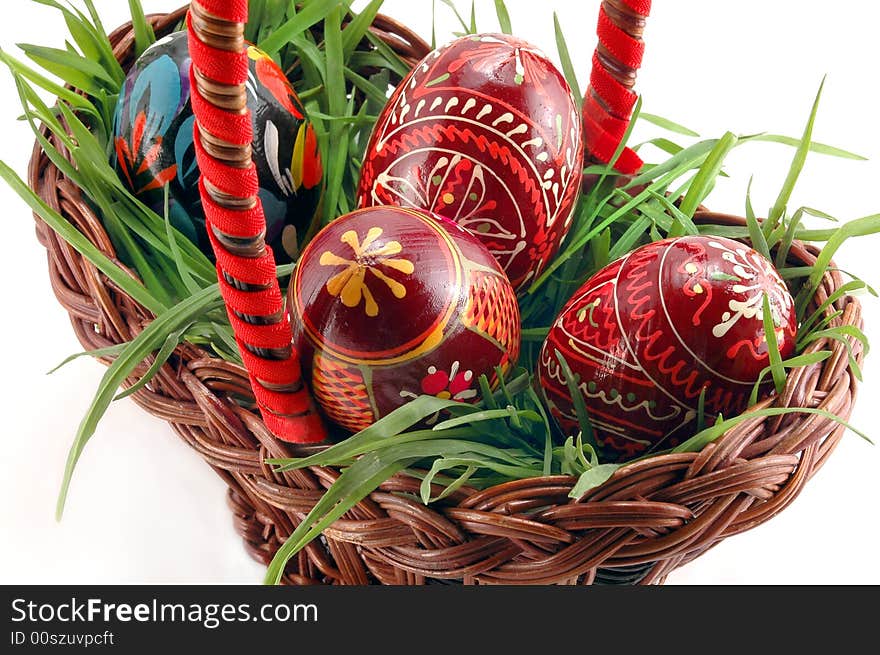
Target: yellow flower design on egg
369	255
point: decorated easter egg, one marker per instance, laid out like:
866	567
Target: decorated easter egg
388	304
154	145
651	332
485	132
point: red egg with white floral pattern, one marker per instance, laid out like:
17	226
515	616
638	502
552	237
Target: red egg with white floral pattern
651	332
388	304
484	131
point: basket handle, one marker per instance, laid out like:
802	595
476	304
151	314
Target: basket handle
610	99
235	222
236	225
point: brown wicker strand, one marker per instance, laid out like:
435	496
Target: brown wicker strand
631	22
229	36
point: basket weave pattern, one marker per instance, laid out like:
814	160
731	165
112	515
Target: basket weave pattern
648	519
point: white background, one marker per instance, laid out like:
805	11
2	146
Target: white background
145	509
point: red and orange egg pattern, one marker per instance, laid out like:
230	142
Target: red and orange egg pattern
389	304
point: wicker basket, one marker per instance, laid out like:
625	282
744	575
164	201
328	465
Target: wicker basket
648	519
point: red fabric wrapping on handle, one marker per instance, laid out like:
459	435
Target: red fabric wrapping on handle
275	335
242	224
608	103
238	182
593	108
248	302
286	407
233	128
625	48
289	374
219	65
307	428
619	100
252	272
235	11
603	146
641	7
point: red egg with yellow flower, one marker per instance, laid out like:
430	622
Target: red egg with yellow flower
389	304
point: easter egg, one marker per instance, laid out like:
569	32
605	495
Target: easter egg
154	147
388	304
485	132
652	331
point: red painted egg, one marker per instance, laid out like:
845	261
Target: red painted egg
484	131
389	303
650	331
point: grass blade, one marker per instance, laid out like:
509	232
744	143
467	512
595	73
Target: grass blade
565	60
788	236
159	360
776	368
354	32
509	412
666	124
548	432
580	407
503	19
311	14
682	161
841	334
109	351
628	239
701	410
374	93
818	148
849	287
433	24
794	362
353	484
387	427
392	59
858	227
686	223
797	163
92	40
96	17
75	69
710	434
438	467
153	336
182	269
21	70
705	177
451	5
334	80
80	243
756	235
144	36
592	478
667	146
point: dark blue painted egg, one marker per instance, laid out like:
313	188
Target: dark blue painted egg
154	145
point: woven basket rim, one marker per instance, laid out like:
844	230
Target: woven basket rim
649	518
